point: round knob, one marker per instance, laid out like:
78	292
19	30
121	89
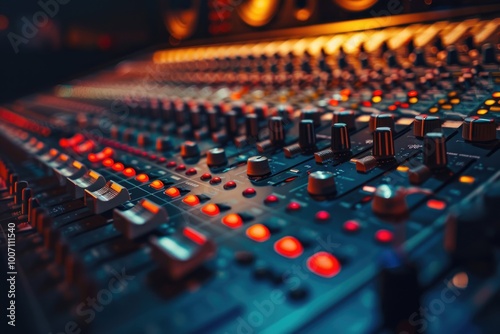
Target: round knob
389	201
195	118
143	139
276	131
216	157
163	144
258	166
321	183
307	135
231	119
383	143
213	120
348	117
477	129
260	109
488	55
424	124
252	126
340	140
452	55
189	149
381	120
312	114
435	150
419	58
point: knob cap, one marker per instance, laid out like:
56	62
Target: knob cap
231	123
307	135
424	124
348	117
321	183
419	58
258	166
452	55
163	144
488	55
276	131
213	120
252	126
189	149
383	143
477	129
381	120
216	157
143	139
435	150
195	118
312	114
340	140
389	201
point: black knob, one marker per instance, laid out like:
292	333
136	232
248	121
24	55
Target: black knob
258	166
312	114
189	149
340	140
419	58
195	118
424	124
391	59
231	119
477	129
347	116
19	186
25	198
180	118
381	120
488	55
163	144
435	150
383	143
276	131
260	109
216	157
252	126
307	135
143	139
213	120
452	55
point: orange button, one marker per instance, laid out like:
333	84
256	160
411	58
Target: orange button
436	204
191	200
142	178
108	162
129	171
118	166
108	151
211	210
288	247
156	184
258	232
324	264
172	192
232	220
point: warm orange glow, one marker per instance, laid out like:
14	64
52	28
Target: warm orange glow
303	14
258	232
142	178
467	179
150	206
355	5
288	247
118	167
324	264
211	210
108	162
257	12
172	192
232	220
156	184
191	200
129	172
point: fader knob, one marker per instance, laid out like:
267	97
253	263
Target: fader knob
252	126
258	166
340	140
216	157
312	114
383	143
477	129
307	135
276	131
163	144
452	55
419	58
348	117
424	124
213	120
189	149
381	120
488	55
231	119
321	183
435	150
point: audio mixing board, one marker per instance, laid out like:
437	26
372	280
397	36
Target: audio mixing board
334	183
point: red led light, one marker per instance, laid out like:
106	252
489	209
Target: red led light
436	204
191	171
194	235
129	172
171	164
351	226
249	192
215	180
142	178
191	200
324	264
156	184
211	210
230	185
288	247
108	162
271	199
412	93
293	206
118	166
206	176
232	220
181	168
322	216
172	192
384	236
377	92
258	232
92	157
108	152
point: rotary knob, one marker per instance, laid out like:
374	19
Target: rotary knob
321	183
340	140
435	150
424	124
231	119
488	54
252	126
189	149
452	55
216	157
312	114
307	135
258	166
383	143
347	116
163	144
276	131
389	201
477	129
381	120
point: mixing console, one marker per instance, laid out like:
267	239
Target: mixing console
320	184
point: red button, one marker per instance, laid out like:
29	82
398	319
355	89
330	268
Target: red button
108	162
258	232
383	236
271	199
288	247
351	226
206	177
322	216
194	235
324	264
118	166
232	220
211	210
129	171
172	192
191	200
436	204
293	206
230	185
181	168
215	180
142	178
156	184
191	171
249	192
162	160
171	164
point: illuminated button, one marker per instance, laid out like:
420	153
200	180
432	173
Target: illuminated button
436	204
129	171
258	232
482	111
215	180
455	101
118	166
376	99
156	184
384	236
206	177
322	216
467	179
496	94
232	220
413	100
191	171
108	162
230	185
249	192
288	247
351	226
489	102
403	169
191	200
93	157
171	164
142	178
433	110
211	210
108	152
271	199
180	168
194	235
324	264
446	107
293	206
172	192
412	93
377	92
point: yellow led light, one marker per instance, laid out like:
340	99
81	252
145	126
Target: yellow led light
482	111
376	99
467	179
434	110
403	169
489	102
455	101
447	107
